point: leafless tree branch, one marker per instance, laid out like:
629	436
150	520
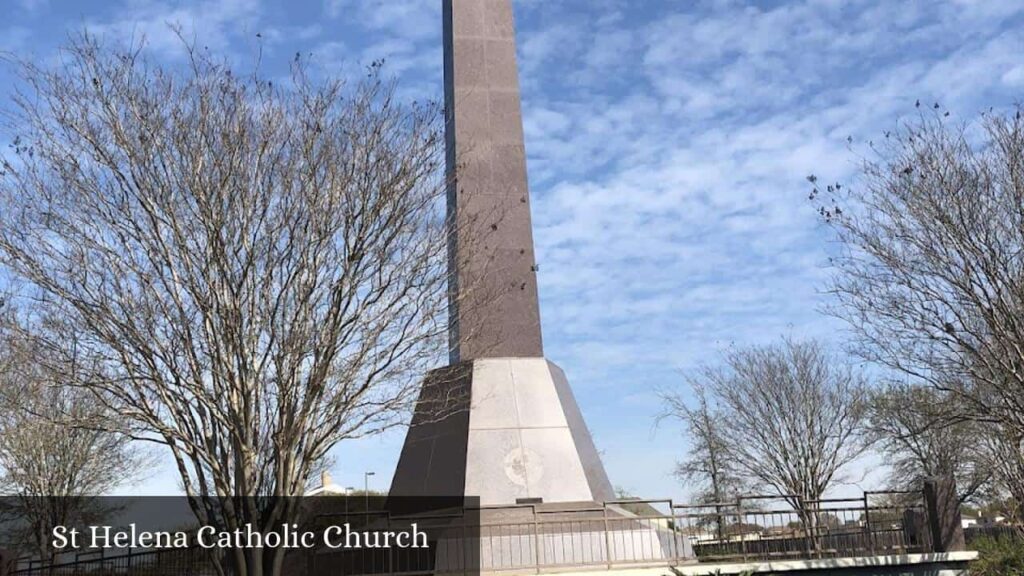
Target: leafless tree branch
787	417
930	273
257	272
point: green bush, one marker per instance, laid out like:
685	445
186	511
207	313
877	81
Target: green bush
998	556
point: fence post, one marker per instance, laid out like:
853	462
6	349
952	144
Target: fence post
943	509
867	524
740	523
672	527
7	560
536	540
391	550
607	538
807	523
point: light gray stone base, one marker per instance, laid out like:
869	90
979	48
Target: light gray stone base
561	550
518	435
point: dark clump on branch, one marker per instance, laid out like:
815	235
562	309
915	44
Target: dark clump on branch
930	277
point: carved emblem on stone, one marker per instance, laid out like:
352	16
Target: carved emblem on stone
522	465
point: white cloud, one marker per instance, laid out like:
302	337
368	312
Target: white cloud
670	199
668	144
408	19
14	39
33	6
1014	77
212	23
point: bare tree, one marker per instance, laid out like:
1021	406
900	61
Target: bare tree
930	273
1004	450
788	417
57	450
707	464
257	270
922	437
707	467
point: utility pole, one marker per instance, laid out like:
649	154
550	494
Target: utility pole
366	487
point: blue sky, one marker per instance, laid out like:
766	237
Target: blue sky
668	144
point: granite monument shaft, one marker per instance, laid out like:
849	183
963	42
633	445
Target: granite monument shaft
518	433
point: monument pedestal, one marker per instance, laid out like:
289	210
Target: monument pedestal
505	430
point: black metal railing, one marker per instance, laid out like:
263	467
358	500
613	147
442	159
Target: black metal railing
773	527
994	531
169	562
538	537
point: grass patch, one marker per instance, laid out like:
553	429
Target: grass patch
998	556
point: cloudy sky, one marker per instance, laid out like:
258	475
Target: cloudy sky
668	144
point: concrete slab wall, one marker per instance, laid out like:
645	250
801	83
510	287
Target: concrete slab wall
526	437
519	435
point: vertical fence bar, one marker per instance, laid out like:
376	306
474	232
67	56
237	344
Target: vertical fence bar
867	525
739	527
390	569
815	507
805	523
831	528
466	562
536	539
607	538
672	527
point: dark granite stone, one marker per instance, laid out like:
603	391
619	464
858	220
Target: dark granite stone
495	309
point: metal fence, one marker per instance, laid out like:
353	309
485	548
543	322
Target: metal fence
994	531
169	562
772	527
638	532
539	537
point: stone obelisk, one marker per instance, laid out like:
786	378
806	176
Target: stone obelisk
519	435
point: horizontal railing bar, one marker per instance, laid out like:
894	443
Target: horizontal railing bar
638	501
535	537
883	492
